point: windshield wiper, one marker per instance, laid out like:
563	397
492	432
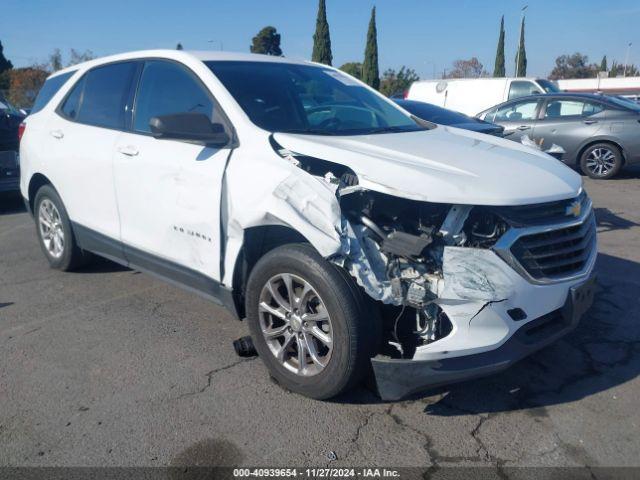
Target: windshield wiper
390	130
309	131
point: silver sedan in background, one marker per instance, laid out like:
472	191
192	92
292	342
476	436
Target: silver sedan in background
597	133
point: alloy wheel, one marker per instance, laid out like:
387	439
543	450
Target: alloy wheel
51	229
601	161
295	324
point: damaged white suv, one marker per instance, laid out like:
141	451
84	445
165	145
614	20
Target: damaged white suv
355	238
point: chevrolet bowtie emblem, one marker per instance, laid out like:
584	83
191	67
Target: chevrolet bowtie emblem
574	209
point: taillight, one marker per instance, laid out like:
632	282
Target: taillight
21	128
405	94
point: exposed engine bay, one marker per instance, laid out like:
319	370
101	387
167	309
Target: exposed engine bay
394	248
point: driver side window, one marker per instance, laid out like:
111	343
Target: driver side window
519	111
168	88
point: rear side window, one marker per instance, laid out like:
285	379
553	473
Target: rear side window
167	88
49	89
72	103
100	98
572	108
516	112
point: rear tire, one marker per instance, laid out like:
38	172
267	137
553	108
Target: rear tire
601	161
54	231
288	287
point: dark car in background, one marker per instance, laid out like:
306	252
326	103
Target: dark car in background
597	133
443	116
10	120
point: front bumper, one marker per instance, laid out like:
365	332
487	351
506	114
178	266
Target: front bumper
396	379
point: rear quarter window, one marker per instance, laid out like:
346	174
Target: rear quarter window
49	89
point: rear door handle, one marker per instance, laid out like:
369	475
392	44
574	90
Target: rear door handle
590	122
524	127
129	151
57	134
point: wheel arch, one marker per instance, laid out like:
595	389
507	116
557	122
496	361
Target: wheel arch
257	242
37	181
591	142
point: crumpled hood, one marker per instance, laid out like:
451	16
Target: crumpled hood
445	165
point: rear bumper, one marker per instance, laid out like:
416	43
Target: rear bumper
9	170
396	379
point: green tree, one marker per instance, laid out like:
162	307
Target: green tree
614	70
397	82
179	46
521	55
370	70
573	66
4	63
630	71
267	42
25	85
498	69
353	68
603	64
321	38
5	81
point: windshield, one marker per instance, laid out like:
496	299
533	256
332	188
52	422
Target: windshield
283	97
624	102
548	87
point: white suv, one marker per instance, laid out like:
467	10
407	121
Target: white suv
348	233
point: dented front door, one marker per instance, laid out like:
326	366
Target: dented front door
168	191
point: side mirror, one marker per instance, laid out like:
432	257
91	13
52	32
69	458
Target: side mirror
189	126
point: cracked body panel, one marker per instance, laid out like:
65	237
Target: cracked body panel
435	261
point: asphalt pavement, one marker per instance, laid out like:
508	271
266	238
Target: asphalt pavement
110	367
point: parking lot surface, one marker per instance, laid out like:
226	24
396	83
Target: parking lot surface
109	367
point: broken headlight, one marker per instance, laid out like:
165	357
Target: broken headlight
483	228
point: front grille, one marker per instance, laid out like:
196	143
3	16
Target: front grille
557	254
541	213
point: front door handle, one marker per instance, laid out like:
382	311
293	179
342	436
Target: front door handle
590	122
129	151
57	134
524	127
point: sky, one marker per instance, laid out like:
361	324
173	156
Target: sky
426	35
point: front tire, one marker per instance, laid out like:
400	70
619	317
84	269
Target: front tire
54	231
601	161
308	323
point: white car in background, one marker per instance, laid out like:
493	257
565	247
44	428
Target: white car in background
473	95
348	233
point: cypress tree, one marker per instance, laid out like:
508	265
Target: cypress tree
4	63
521	56
321	39
179	46
370	71
603	64
498	70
